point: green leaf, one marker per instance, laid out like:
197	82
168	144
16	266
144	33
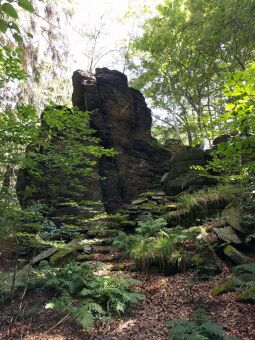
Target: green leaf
26	5
9	10
229	107
14	26
18	37
3	26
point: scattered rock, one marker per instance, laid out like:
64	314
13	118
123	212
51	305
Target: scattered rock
67	253
139	201
225	287
228	234
44	255
87	249
235	255
232	215
85	257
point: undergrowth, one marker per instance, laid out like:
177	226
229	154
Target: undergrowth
85	296
243	281
208	197
154	244
201	328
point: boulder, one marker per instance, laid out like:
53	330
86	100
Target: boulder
187	181
241	216
182	175
235	256
232	215
227	234
123	122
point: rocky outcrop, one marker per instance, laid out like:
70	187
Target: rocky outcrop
123	122
182	173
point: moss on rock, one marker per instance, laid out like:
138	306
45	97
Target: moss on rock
248	295
225	287
235	255
85	257
128	224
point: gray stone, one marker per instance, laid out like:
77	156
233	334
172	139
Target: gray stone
87	249
235	255
227	234
44	255
139	201
232	215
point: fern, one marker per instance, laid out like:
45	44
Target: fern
155	245
85	296
150	227
201	328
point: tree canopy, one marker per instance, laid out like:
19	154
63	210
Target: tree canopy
185	55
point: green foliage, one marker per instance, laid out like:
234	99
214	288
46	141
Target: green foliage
235	158
11	51
18	129
183	69
85	296
155	245
26	5
208	197
62	137
243	282
125	242
16	222
150	227
162	133
202	328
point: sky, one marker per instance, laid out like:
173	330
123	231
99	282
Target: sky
90	15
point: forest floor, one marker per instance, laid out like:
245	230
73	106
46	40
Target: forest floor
167	298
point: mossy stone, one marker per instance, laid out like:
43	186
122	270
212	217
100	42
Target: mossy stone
128	223
117	267
248	295
227	234
171	206
147	194
198	259
108	232
235	255
139	201
225	287
85	257
68	253
63	255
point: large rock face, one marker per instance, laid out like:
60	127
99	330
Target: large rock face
123	122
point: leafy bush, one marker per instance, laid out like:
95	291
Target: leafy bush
200	329
85	296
